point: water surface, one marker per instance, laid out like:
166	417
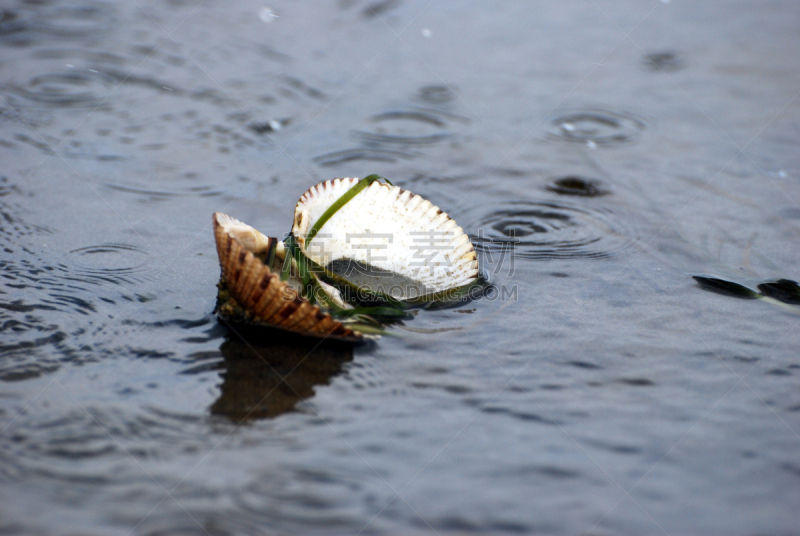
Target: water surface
601	155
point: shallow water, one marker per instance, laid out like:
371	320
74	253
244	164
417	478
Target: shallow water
601	154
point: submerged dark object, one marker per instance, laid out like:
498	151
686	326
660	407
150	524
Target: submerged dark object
783	290
727	288
578	186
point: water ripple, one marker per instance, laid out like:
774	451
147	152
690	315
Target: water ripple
150	194
12	22
77	445
369	154
436	94
551	230
600	127
77	21
67	88
109	259
64	77
407	127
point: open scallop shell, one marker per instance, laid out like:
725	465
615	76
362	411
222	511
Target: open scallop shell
385	239
259	291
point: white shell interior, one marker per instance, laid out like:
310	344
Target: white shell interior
253	240
390	229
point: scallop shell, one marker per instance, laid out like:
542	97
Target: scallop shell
260	291
391	230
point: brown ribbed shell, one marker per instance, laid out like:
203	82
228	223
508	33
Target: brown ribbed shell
260	291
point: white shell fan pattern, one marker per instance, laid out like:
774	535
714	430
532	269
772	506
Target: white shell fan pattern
390	230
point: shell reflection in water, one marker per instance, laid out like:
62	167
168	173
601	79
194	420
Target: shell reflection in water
265	377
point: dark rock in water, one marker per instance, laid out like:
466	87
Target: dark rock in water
727	288
784	290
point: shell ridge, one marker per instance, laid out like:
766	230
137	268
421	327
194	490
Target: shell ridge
260	292
296	318
267	297
384	208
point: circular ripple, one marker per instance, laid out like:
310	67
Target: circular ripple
412	127
68	88
547	230
578	186
109	259
367	154
596	126
149	194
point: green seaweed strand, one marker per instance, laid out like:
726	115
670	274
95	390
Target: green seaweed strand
286	269
339	203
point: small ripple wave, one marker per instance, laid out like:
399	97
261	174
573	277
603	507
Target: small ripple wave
67	88
109	262
551	230
600	127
